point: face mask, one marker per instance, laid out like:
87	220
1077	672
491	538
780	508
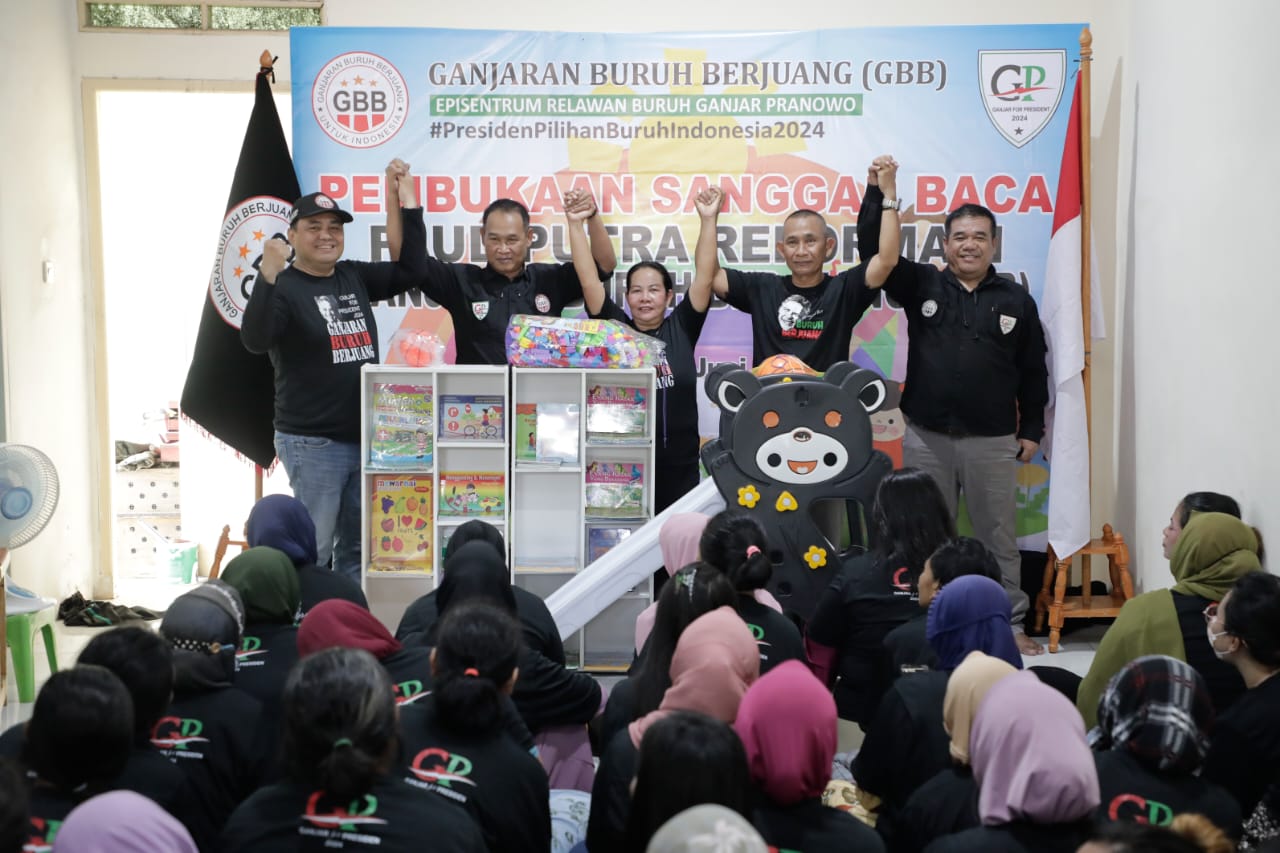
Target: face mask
1213	638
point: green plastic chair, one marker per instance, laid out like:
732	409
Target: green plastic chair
20	631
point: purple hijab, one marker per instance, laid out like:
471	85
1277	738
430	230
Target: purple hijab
971	614
283	523
121	822
1029	755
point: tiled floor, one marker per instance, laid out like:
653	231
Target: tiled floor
155	595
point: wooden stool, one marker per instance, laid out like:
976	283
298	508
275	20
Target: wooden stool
1054	601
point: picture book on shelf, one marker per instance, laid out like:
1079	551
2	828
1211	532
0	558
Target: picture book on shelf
616	414
471	417
557	433
473	494
615	489
400	524
600	540
401	426
526	448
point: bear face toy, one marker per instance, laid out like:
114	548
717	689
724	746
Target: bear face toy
790	445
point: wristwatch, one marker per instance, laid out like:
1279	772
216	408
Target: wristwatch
891	204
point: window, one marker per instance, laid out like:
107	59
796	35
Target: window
225	16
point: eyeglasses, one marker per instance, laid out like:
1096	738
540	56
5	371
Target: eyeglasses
1211	612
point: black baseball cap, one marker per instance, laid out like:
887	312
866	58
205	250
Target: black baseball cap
315	204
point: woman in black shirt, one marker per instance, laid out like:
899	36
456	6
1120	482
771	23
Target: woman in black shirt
342	624
876	592
340	746
1244	630
734	543
455	741
649	292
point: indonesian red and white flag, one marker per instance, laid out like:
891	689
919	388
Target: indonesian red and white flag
1066	443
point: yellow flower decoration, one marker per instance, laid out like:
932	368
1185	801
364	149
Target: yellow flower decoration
786	502
748	496
816	557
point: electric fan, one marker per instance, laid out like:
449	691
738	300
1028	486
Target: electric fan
28	497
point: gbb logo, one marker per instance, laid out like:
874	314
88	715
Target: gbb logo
360	100
1021	90
247	226
438	765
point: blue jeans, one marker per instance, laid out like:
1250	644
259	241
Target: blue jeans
325	476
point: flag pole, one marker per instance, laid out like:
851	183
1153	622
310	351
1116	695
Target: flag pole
1086	234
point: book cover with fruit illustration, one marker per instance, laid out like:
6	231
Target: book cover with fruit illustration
473	494
400	524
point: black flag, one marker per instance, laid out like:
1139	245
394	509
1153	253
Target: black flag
229	391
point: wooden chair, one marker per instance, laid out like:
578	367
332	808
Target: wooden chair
219	552
1054	601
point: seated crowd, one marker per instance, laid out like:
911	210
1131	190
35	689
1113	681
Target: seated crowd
271	711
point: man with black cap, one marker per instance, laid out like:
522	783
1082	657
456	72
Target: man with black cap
314	318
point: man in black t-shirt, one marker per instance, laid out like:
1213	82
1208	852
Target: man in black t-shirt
807	314
482	300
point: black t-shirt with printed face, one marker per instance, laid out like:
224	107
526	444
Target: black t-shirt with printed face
677	403
813	324
482	302
391	816
502	786
320	330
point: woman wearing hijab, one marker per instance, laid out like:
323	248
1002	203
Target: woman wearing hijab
714	664
1152	735
211	729
341	792
707	829
283	523
540	631
268	587
1037	785
341	624
121	822
876	592
948	803
694	590
787	723
1212	552
1244	630
907	742
678	541
502	786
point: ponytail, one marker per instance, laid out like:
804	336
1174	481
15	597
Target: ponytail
340	721
734	543
476	654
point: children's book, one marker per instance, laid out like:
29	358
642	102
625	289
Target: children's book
400	524
557	433
615	489
526	448
402	426
473	494
471	417
600	540
616	414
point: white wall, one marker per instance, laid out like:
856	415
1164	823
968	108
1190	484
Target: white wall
1151	378
1197	372
47	327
